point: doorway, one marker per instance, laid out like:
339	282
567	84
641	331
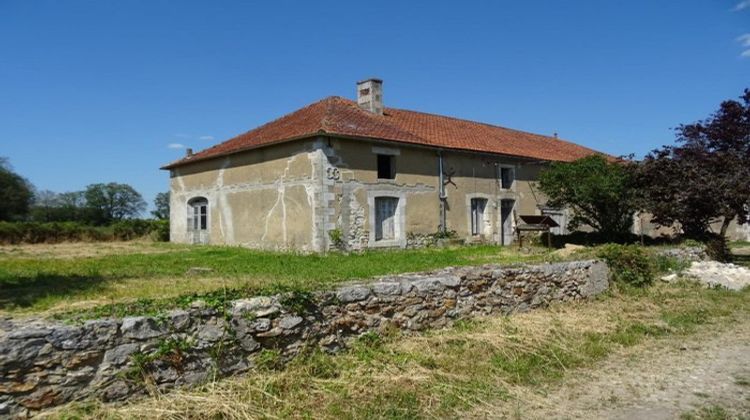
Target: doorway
506	221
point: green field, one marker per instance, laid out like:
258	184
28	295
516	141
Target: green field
67	277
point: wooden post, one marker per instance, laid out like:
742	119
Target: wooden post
549	238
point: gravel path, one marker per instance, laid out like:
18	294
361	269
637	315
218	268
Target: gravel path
662	380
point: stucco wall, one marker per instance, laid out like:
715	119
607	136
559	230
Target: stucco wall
417	184
290	196
267	198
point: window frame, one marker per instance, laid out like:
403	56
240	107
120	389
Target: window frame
391	162
501	179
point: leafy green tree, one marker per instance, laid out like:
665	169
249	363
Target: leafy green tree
599	193
16	193
705	178
161	204
110	202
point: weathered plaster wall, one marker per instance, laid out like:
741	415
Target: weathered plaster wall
417	183
290	196
643	224
43	363
267	198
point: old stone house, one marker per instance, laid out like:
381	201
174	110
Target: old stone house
357	174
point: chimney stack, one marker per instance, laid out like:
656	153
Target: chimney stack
370	95
188	152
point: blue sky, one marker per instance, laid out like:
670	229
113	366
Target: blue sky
96	91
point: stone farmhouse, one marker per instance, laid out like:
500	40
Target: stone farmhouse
357	174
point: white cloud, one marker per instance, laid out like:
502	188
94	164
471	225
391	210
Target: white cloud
176	146
744	40
207	138
744	4
745	53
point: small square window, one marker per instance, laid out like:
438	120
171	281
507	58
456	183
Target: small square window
386	167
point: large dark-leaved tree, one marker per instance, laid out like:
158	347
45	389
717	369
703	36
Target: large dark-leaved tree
705	177
16	193
598	191
110	202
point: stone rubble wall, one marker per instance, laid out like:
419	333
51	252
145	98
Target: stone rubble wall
43	363
686	254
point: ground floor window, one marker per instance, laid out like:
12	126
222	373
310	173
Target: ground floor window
478	206
385	218
197	219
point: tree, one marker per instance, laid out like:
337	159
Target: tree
16	193
599	192
705	178
111	202
46	206
161	203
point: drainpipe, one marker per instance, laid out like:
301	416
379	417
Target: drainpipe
441	189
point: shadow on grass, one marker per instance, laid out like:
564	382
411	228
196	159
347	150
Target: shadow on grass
741	259
24	292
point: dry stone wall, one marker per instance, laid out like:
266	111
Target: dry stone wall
43	364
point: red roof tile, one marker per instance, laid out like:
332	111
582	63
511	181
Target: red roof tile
339	116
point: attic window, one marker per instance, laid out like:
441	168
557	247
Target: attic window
386	167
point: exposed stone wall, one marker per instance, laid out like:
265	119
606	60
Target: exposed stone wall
43	364
687	254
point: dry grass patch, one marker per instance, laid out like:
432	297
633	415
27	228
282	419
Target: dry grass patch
83	249
447	373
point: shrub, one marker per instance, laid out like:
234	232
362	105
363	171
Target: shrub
54	232
159	231
629	264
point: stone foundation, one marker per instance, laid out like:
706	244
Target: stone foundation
43	364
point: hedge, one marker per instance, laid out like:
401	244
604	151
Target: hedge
55	232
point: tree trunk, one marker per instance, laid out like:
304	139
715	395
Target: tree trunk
725	226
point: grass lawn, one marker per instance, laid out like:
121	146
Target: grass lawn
143	277
494	366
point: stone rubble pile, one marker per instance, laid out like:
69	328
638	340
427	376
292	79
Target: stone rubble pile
712	274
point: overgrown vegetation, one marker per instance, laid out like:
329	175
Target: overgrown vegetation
629	264
477	365
56	232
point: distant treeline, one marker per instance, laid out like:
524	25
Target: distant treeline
101	212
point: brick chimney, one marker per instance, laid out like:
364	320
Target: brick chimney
370	95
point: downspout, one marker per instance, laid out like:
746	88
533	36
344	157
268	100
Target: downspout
441	189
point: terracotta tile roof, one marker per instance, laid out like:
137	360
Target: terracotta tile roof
342	117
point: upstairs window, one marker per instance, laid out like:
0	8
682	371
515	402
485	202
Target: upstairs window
386	167
507	176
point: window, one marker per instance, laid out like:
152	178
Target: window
385	218
507	176
197	219
477	215
386	167
198	214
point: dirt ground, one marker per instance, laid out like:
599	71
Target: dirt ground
665	379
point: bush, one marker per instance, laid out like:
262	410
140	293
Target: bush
54	232
159	231
629	264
